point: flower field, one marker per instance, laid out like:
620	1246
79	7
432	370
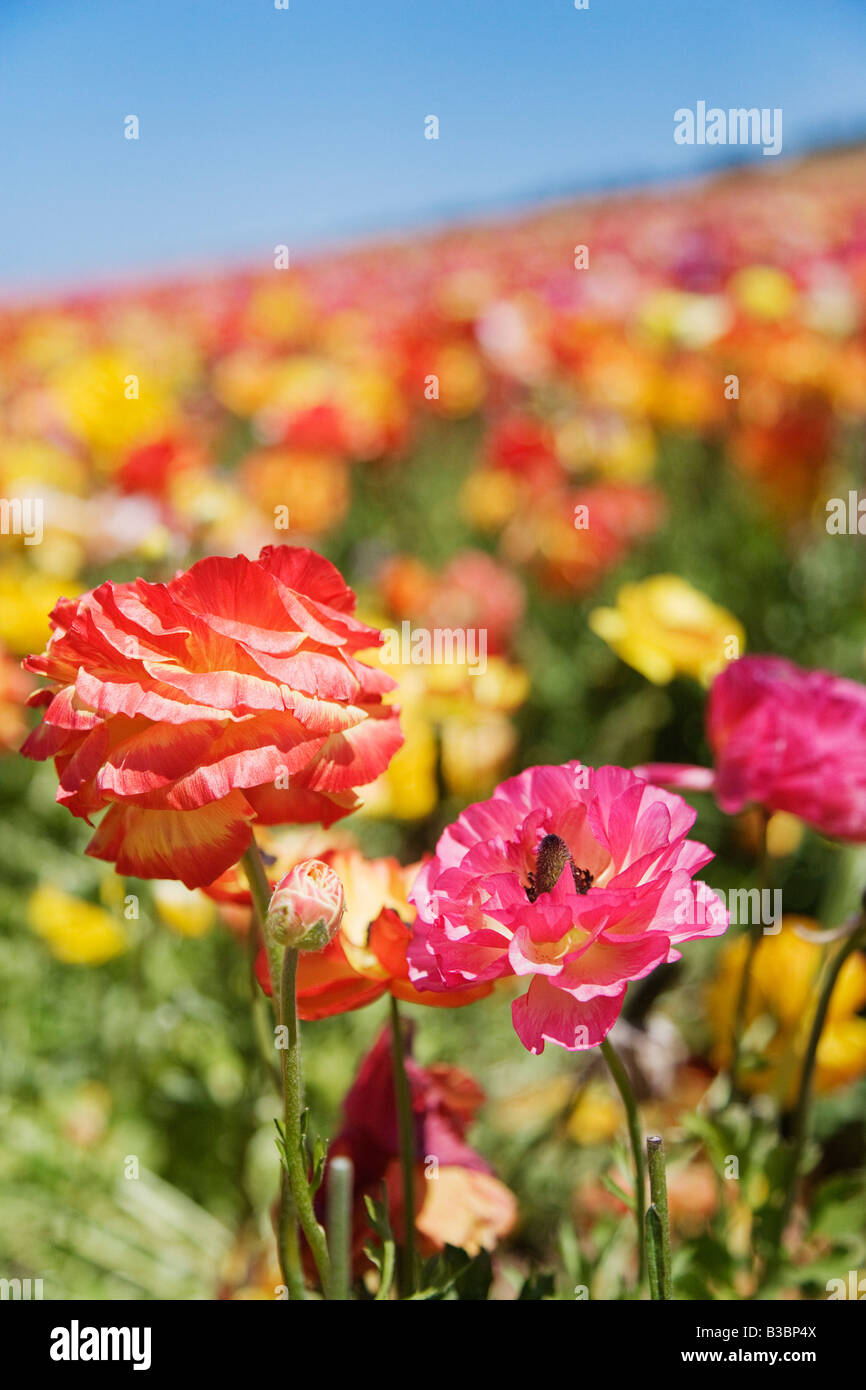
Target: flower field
494	599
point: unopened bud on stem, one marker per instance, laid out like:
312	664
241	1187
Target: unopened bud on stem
306	908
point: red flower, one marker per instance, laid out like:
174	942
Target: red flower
525	446
458	1201
191	710
151	467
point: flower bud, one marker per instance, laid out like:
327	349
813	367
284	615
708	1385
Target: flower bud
306	907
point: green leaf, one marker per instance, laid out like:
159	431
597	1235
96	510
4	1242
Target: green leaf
383	1257
455	1275
537	1286
617	1191
837	1207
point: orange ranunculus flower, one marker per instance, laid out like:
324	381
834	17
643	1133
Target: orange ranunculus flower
367	957
190	711
574	537
313	488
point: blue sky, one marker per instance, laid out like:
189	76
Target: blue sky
306	127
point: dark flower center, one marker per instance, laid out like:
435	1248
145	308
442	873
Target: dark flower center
551	858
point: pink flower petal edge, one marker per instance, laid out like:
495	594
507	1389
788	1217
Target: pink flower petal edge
629	902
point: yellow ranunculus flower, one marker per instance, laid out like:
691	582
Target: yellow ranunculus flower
204	499
50	336
185	910
784	834
26	598
664	628
30	465
783	994
690	320
76	932
278	312
461	379
97	396
596	1117
243	379
489	498
451	718
764	292
619	449
476	748
407	789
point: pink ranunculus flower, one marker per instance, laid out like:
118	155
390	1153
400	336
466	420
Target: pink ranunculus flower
786	738
579	880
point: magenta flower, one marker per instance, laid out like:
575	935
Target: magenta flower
786	738
580	880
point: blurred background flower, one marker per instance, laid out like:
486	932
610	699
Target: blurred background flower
780	1010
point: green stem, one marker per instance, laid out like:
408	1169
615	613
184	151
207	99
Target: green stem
260	892
740	1012
296	1164
804	1099
288	1246
263	1019
659	1199
383	1293
407	1150
742	1006
340	1226
623	1085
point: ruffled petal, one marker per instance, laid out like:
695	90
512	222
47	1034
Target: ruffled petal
194	846
547	1014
